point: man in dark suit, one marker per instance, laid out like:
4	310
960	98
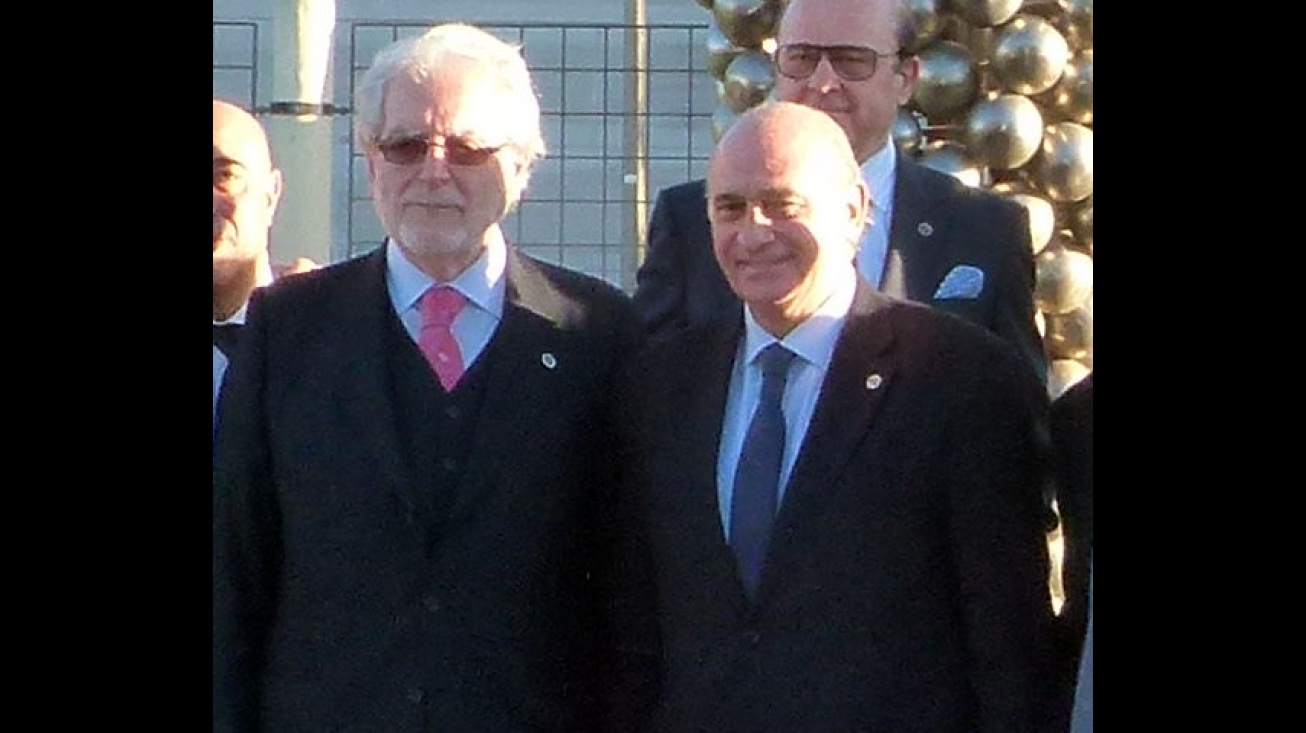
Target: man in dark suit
930	238
410	442
893	577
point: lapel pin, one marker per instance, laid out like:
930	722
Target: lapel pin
925	228
873	381
548	360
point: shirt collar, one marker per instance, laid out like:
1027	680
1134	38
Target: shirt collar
878	171
814	338
482	282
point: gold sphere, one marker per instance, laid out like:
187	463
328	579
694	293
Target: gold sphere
947	83
1071	98
1076	22
747	22
907	133
927	20
1063	167
1042	214
748	79
1070	335
1004	131
720	50
1029	55
950	157
1080	220
1063	279
985	13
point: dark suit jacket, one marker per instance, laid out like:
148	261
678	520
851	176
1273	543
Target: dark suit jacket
338	606
1071	426
938	223
906	583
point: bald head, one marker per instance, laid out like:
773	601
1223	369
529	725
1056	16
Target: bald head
237	132
246	189
795	133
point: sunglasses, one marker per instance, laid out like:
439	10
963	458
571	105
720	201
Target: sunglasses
410	150
851	63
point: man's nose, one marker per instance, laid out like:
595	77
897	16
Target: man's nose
823	77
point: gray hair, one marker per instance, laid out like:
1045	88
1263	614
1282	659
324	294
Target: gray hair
419	56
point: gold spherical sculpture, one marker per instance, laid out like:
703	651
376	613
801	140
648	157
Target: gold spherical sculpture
748	79
1080	219
1063	166
907	133
985	13
1029	55
1071	98
720	50
947	83
746	22
1004	132
1070	335
1063	279
927	20
950	157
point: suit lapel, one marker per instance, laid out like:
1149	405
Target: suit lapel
698	457
368	404
861	373
909	270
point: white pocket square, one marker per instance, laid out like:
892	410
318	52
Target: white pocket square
963	281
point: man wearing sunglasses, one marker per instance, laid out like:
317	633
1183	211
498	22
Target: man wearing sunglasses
414	439
929	238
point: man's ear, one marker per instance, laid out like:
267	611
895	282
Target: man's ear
907	73
275	183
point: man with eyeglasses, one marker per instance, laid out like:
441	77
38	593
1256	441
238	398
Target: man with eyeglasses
928	239
414	441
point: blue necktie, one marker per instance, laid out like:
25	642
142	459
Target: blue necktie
757	479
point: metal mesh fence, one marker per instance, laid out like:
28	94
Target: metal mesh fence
626	111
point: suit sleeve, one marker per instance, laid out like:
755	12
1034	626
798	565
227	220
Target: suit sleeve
661	279
1001	457
244	535
1014	319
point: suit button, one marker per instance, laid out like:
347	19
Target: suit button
753	637
453	412
414	696
431	602
449	464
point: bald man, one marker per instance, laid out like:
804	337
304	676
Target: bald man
882	565
246	189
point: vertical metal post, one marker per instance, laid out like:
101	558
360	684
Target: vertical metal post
299	128
636	177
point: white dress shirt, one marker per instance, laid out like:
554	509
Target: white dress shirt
813	342
878	171
482	283
263	278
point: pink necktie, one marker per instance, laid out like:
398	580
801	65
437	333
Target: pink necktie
439	307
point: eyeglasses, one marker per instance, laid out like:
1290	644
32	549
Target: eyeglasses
851	63
410	150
